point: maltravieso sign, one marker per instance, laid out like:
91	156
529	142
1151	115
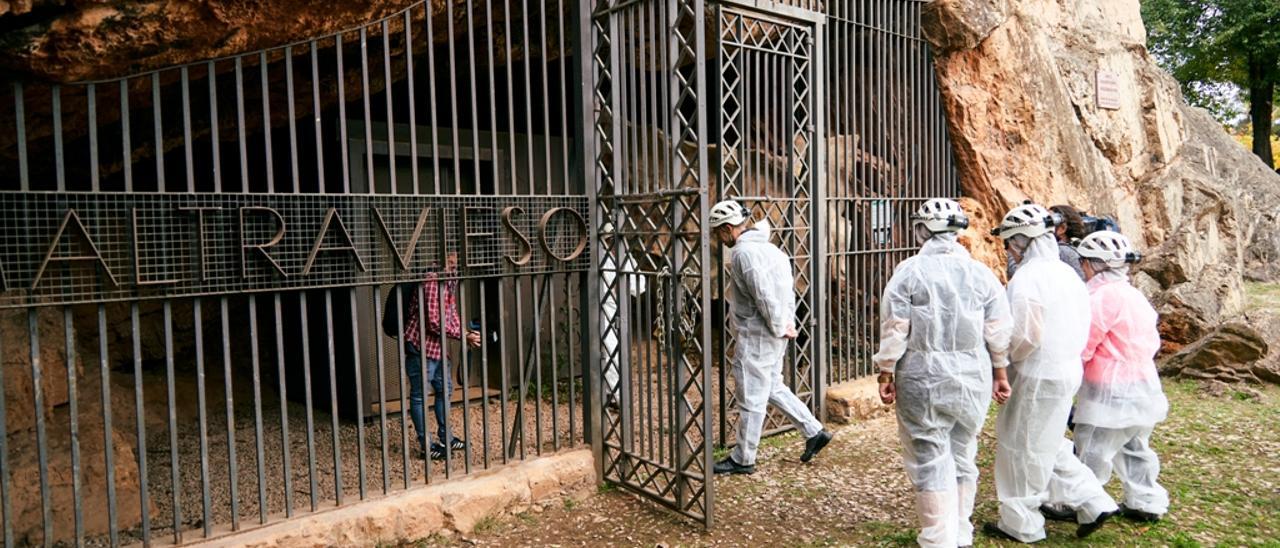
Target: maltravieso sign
64	248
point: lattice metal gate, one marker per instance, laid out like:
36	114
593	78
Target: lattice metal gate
769	159
823	118
569	157
650	172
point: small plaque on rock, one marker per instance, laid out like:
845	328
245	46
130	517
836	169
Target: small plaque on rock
1107	90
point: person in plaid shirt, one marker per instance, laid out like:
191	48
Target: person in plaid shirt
416	348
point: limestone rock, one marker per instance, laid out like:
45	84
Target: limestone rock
854	401
1218	389
1023	117
19	391
1227	353
961	24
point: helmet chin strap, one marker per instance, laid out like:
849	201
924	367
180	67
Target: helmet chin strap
922	233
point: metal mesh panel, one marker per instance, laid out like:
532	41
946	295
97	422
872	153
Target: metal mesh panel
767	161
887	151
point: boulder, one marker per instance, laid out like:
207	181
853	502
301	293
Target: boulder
1227	353
962	24
15	347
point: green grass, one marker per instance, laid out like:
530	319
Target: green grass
1263	296
488	525
1218	461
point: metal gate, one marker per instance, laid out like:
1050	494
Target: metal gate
769	118
274	198
649	143
824	118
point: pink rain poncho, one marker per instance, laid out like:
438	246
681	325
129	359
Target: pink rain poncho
1121	387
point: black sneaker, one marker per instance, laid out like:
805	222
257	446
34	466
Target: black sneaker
437	451
994	531
1055	513
730	466
457	445
1087	529
815	444
1138	515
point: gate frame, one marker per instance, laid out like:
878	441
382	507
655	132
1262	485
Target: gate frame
690	46
819	319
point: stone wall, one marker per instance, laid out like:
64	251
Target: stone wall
1017	80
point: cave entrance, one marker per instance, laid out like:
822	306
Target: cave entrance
209	273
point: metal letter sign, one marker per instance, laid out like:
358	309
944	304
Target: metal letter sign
71	248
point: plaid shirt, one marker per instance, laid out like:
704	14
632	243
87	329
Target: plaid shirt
452	323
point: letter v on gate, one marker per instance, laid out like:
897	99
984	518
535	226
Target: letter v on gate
404	258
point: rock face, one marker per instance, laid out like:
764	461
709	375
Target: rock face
1019	86
1228	353
73	40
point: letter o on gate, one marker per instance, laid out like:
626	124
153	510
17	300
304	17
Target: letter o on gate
545	223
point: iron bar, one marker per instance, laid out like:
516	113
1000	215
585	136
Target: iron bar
333	399
186	131
58	152
257	410
73	404
313	490
382	395
20	124
144	494
205	499
232	465
91	100
42	446
175	473
108	442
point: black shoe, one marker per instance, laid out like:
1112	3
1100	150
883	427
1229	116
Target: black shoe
437	451
994	531
815	444
1138	515
1087	529
1055	513
730	466
457	445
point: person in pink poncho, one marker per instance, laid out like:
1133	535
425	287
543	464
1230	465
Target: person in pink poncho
1121	399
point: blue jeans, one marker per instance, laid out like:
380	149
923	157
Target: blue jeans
440	386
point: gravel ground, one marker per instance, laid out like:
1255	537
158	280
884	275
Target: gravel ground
1218	453
857	480
159	465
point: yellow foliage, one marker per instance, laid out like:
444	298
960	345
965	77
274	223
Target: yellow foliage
1247	140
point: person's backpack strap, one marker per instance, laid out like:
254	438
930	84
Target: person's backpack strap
402	292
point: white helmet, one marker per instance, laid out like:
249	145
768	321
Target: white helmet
1029	220
940	215
1111	248
728	212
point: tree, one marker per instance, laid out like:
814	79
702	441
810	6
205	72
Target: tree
1209	44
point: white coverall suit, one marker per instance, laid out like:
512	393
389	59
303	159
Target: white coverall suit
763	306
1121	399
945	323
1050	308
635	286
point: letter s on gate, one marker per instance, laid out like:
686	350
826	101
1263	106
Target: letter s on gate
508	221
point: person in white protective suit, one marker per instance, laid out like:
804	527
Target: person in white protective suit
1121	399
944	336
631	285
763	310
1050	307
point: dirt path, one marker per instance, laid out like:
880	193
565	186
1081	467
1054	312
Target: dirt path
857	480
1219	459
